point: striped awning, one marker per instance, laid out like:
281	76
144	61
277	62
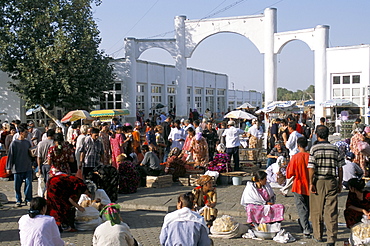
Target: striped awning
109	112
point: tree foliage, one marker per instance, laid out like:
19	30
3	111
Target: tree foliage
50	49
284	94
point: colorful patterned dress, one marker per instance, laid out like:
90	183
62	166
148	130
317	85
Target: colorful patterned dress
60	158
360	158
59	189
116	147
200	152
129	179
220	163
351	216
106	145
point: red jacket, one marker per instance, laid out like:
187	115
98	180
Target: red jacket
298	168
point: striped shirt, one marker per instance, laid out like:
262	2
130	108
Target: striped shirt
325	158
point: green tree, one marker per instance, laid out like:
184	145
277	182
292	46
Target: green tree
50	49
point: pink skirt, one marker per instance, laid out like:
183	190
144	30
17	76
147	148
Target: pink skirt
258	213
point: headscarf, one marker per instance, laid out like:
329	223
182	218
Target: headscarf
367	129
198	136
174	152
221	147
280	160
111	212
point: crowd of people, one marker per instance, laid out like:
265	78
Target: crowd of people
116	158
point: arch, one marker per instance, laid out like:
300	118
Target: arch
252	27
282	38
165	44
161	56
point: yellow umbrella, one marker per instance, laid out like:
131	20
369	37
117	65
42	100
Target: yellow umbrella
109	112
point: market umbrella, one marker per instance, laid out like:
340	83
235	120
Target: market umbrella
3	113
246	105
337	102
76	115
158	106
238	114
109	112
309	103
278	107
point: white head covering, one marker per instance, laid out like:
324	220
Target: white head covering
221	147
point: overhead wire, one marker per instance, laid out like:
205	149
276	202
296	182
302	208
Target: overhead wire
137	22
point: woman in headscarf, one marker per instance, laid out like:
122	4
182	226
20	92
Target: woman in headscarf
175	165
59	156
186	155
129	179
276	172
199	148
113	231
36	228
359	157
259	201
221	161
63	193
205	199
104	134
116	142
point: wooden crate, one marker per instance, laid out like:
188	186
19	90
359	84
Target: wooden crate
159	181
184	181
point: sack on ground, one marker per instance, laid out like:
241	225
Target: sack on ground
87	220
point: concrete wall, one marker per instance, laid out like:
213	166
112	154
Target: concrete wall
10	103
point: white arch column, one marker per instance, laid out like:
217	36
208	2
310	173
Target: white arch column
270	56
181	67
321	43
131	78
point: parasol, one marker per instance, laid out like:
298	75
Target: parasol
109	112
238	114
337	102
76	115
246	105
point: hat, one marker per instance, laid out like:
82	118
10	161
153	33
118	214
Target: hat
137	123
279	142
231	123
350	155
254	120
204	179
30	122
182	120
127	124
198	136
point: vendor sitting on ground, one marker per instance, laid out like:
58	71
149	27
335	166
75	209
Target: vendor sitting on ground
278	150
175	165
259	201
205	199
276	173
221	161
150	165
350	170
358	202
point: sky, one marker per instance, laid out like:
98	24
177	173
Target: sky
229	53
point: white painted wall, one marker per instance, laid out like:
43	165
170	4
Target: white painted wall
9	101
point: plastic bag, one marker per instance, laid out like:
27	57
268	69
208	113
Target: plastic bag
284	237
40	186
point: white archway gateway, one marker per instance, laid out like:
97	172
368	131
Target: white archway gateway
259	29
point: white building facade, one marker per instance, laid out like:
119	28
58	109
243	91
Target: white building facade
349	74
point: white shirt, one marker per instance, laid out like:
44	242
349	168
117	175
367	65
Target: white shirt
351	170
175	136
41	231
257	132
198	129
291	144
232	136
108	235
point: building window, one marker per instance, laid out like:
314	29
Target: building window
336	92
336	80
198	91
140	88
346	79
189	90
220	92
198	104
140	102
156	89
356	100
355	79
356	92
171	90
209	92
346	92
118	86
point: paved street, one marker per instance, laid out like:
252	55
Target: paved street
144	212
